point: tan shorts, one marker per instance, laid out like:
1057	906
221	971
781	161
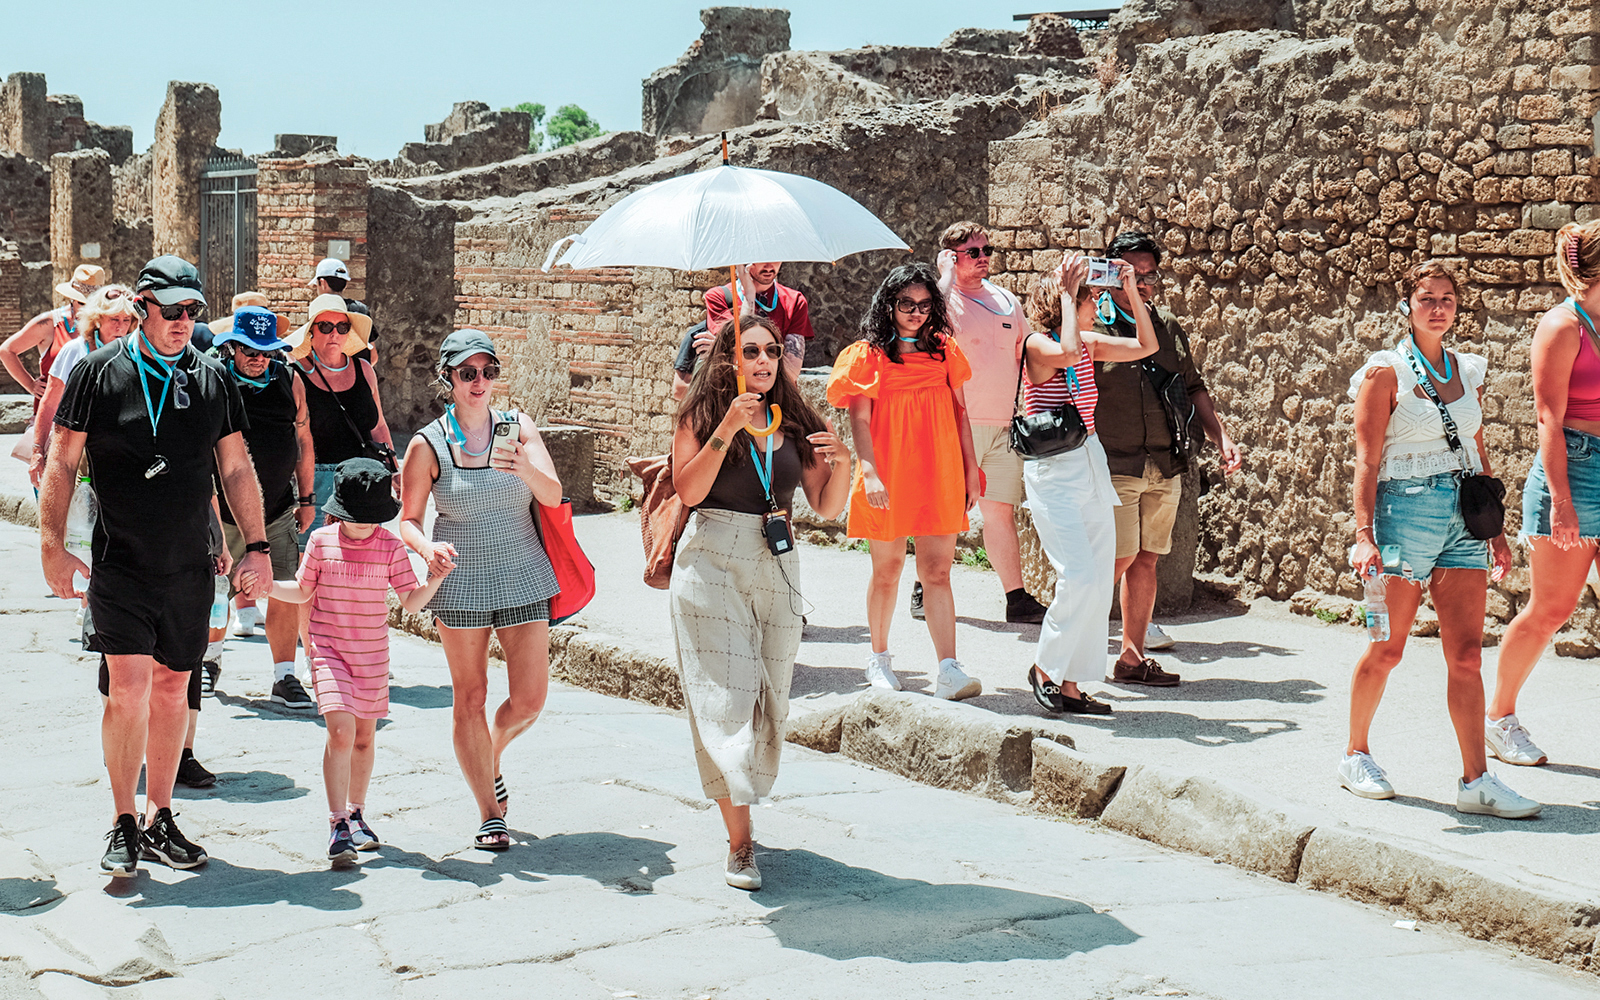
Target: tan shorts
284	539
1149	509
1002	467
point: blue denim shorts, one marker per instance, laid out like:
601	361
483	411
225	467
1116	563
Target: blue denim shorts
1423	517
1583	478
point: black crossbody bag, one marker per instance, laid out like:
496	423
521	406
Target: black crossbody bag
375	450
1482	497
1053	432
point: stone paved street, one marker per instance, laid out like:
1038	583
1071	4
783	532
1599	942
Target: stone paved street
877	886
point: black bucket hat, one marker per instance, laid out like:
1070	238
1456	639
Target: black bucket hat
361	493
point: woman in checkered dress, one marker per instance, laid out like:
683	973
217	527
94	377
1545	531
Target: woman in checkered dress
503	581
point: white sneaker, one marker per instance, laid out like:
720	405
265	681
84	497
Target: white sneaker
1154	638
1362	775
1509	741
742	872
245	621
878	673
1488	796
953	683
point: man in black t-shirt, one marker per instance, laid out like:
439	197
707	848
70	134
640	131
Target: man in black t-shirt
155	418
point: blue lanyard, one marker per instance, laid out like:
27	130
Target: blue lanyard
461	437
1437	378
167	366
766	308
247	380
1071	371
997	294
1589	321
765	475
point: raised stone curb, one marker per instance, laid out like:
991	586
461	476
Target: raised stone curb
1546	918
1203	816
1071	784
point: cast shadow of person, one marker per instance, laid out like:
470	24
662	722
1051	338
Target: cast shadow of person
842	912
627	864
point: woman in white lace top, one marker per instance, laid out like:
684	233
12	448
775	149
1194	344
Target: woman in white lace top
1409	528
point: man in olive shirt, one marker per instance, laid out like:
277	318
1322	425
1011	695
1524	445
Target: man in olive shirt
1148	478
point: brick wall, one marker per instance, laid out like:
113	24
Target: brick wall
300	206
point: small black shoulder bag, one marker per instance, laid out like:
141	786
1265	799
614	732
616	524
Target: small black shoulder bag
1041	435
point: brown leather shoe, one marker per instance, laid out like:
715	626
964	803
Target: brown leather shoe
1146	671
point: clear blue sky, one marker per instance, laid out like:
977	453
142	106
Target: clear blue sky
373	73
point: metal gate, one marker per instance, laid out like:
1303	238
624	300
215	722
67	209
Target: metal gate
227	229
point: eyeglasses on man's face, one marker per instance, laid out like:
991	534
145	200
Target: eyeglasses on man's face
975	252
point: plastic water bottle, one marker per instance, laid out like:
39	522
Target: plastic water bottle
219	603
1377	608
82	511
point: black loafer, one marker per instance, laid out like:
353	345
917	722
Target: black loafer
1085	705
1046	692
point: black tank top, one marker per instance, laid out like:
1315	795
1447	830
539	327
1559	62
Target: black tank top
273	448
738	487
330	431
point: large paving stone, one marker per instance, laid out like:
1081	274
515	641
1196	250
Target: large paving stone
91	936
944	744
24	880
1071	783
1544	917
58	986
1204	816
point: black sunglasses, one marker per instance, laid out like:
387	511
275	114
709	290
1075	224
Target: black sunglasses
172	314
909	306
324	327
180	382
250	352
468	373
975	252
753	351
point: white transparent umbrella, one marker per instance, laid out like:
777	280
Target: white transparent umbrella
725	217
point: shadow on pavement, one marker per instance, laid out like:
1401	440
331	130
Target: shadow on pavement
246	786
611	859
842	912
1293	691
422	695
1024	633
262	708
1163	725
224	884
1577	770
1553	818
809	680
23	894
848	634
1210	652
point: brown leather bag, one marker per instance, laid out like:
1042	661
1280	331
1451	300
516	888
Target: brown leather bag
662	518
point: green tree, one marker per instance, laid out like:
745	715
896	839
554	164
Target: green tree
535	112
571	124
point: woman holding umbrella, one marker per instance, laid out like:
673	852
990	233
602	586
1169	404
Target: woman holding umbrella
735	582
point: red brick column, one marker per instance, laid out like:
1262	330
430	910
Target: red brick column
302	207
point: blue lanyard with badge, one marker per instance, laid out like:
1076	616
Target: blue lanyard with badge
774	523
173	379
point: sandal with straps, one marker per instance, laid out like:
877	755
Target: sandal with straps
501	796
492	835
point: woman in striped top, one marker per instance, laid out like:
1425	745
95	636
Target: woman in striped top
346	574
1070	494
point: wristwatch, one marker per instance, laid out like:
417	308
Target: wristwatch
261	547
309	500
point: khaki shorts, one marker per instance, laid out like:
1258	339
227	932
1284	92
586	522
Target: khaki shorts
284	539
1149	509
1002	467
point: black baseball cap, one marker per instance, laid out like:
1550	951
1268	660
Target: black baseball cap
463	344
170	279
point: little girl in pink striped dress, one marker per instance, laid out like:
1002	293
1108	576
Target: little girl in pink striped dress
346	573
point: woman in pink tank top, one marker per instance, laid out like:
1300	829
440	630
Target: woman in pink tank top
1561	500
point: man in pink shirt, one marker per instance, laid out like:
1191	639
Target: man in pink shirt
989	325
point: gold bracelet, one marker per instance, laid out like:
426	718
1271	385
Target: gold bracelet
717	444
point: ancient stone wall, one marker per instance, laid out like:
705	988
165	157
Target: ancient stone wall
24	116
717	83
1293	180
470	136
186	132
301	205
81	223
25	205
411	289
597	157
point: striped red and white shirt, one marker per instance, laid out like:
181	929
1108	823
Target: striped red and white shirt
1057	389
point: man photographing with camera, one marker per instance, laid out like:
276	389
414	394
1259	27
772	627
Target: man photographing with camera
155	419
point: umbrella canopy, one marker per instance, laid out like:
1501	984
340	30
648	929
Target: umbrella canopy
726	216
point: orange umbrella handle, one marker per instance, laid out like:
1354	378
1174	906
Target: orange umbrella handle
775	412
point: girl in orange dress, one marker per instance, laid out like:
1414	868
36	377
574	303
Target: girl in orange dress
917	475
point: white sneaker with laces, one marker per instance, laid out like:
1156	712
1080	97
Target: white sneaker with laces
1362	775
879	675
1509	741
953	684
1489	796
742	872
245	621
1154	638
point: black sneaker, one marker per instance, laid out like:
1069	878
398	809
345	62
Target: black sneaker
290	694
341	849
1022	609
164	842
209	672
193	773
122	857
916	601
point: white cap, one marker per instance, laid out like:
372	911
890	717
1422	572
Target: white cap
330	267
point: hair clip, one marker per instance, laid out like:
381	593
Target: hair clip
1572	252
